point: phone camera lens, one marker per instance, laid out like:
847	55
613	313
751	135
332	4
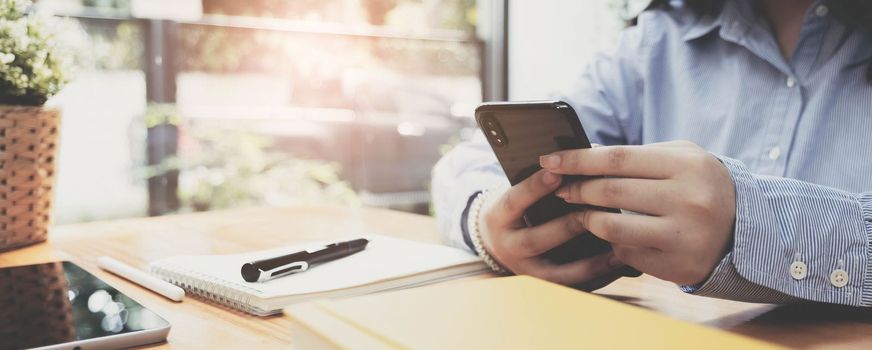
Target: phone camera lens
492	130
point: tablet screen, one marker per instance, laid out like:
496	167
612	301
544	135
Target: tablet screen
58	302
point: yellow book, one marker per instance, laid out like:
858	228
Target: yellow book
500	313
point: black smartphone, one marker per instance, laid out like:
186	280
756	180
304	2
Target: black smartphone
520	132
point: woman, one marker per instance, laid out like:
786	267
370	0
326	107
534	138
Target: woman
769	199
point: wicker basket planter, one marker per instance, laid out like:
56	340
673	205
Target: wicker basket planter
28	145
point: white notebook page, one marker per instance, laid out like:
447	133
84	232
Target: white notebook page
383	259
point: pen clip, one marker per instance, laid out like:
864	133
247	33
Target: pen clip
284	270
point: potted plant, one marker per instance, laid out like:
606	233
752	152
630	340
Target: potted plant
34	65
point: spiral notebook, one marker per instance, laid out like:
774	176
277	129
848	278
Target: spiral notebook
386	264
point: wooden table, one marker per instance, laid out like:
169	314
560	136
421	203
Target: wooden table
200	325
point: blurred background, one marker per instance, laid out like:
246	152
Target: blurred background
212	104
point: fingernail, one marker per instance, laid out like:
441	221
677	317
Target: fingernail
562	192
549	178
549	161
614	261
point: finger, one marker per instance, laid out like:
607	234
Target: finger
633	230
514	201
568	274
624	161
534	241
639	195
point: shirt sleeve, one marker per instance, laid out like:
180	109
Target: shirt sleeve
461	174
606	98
794	241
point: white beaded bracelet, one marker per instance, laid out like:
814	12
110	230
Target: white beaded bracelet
475	234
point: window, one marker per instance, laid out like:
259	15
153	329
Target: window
266	102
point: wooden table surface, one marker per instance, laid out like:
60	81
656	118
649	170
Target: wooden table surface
197	324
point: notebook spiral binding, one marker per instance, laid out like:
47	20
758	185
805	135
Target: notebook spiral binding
215	290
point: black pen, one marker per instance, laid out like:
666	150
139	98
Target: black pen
267	269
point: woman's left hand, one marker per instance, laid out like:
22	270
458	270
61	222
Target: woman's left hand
687	194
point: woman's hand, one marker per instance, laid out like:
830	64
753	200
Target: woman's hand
518	247
687	194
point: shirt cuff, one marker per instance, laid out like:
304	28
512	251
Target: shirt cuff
866	204
464	221
726	283
780	222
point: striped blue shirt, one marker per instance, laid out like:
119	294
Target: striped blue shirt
793	133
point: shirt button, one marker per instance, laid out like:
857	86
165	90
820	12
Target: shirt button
798	270
821	10
791	82
774	153
839	278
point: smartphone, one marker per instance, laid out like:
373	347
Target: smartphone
520	132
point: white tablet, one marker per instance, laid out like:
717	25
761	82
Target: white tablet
59	305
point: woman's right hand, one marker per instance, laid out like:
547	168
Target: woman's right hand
518	248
